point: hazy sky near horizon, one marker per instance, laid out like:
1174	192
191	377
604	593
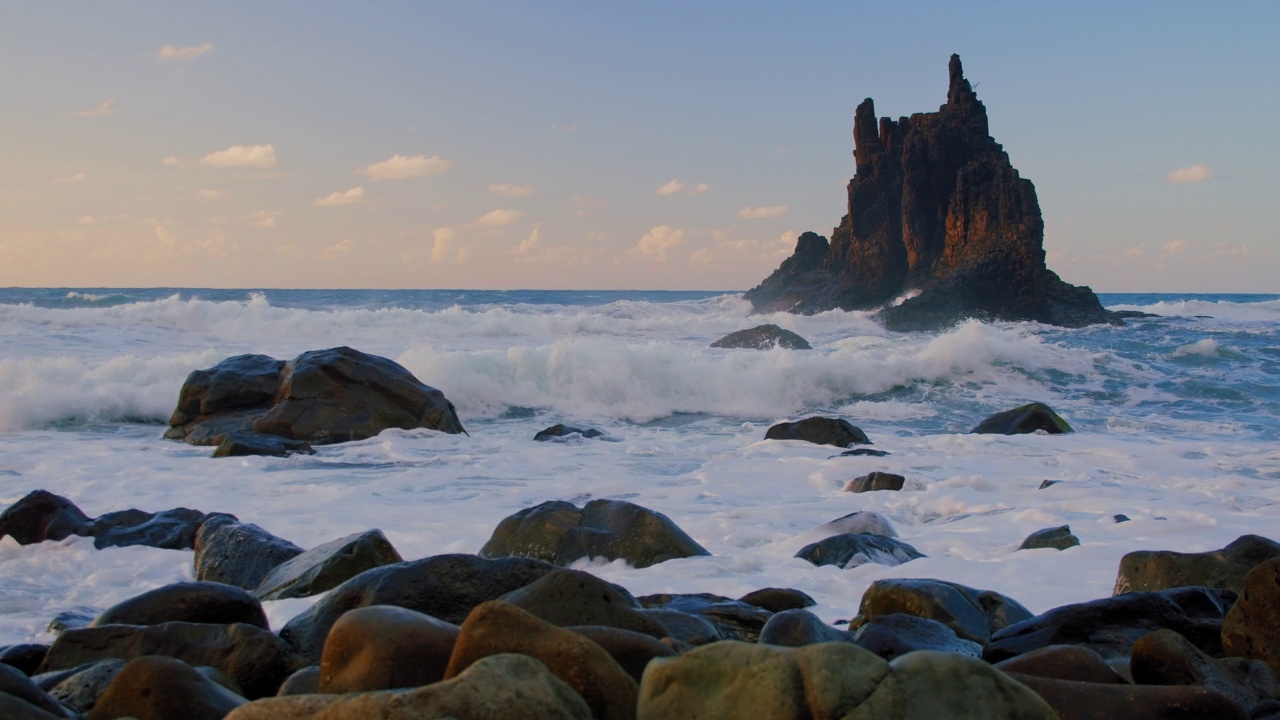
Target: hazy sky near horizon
577	145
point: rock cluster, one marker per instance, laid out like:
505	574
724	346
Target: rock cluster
937	218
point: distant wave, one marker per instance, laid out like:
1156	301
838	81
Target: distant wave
1263	311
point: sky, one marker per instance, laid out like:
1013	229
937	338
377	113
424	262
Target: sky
599	145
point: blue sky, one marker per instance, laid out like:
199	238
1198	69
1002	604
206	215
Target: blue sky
600	145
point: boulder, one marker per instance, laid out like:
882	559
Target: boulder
684	629
973	614
303	682
169	530
797	628
498	686
631	650
446	587
565	431
1166	658
1064	662
875	481
382	647
820	431
320	397
253	658
160	688
763	337
1021	420
243	444
862	521
40	515
863	452
20	688
13	708
1057	538
853	549
1252	627
193	602
1154	570
1073	700
572	597
74	618
24	657
327	566
775	600
80	687
892	636
239	554
495	628
938	219
732	619
558	532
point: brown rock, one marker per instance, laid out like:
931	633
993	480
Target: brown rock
193	602
631	650
327	566
382	647
572	597
496	627
160	688
875	481
1166	658
1163	569
304	682
1064	662
1252	627
40	515
1103	701
775	600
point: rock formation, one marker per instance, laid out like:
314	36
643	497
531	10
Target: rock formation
937	214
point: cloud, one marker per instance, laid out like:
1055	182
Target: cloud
401	167
1136	251
530	243
658	241
337	250
703	256
91	220
185	54
443	243
70	179
511	190
292	250
258	156
498	218
569	127
762	213
671	188
1174	247
1190	174
699	189
102	108
212	194
354	195
261	218
170	160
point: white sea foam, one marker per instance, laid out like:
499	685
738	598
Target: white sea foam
1225	310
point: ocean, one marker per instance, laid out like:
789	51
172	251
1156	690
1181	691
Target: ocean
1176	418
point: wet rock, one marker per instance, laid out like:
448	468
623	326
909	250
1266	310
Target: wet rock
775	600
973	614
192	602
1104	701
498	686
1064	662
12	708
1047	484
327	566
851	550
1265	710
254	658
494	628
303	682
863	452
75	618
170	530
383	647
1252	627
242	444
239	554
875	481
159	688
1155	570
1058	538
892	636
1125	518
863	521
558	532
797	628
1026	419
1166	658
733	619
563	431
572	597
631	650
40	515
1109	627
685	628
25	657
763	337
81	686
446	587
820	431
16	685
319	397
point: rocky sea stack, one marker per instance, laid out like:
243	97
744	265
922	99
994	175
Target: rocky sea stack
937	214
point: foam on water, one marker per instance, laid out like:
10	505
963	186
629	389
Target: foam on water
1177	419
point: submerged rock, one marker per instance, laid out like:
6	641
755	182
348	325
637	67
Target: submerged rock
1058	538
875	481
763	337
853	549
40	515
820	431
1026	419
563	431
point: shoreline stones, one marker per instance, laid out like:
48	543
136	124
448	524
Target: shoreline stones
763	337
1058	538
1029	418
820	431
1154	570
563	432
850	550
875	481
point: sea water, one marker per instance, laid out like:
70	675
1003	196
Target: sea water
1176	420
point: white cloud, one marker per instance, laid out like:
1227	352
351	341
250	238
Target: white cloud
762	213
511	190
212	194
443	243
658	241
354	195
671	188
530	243
703	256
1174	247
699	189
186	54
261	218
401	167
258	156
170	160
1190	174
292	250
102	108
498	218
1136	251
91	220
70	179
336	250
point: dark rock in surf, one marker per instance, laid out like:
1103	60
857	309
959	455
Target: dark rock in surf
240	554
1133	315
74	618
851	550
973	614
863	452
247	444
327	566
1026	419
170	529
1058	538
732	619
1226	568
763	337
320	397
776	600
559	532
938	214
862	521
193	602
820	431
563	431
892	636
875	481
40	515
